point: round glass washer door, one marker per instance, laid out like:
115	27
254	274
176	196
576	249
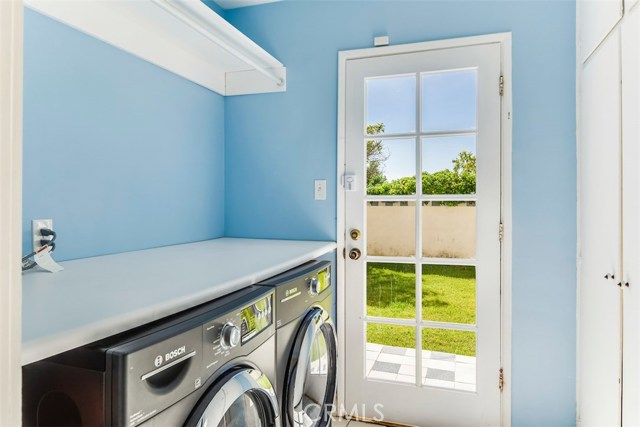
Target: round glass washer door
311	375
241	398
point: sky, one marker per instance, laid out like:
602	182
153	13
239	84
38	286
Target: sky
448	104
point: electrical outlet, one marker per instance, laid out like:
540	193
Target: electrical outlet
36	226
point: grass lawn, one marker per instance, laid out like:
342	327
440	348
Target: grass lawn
448	295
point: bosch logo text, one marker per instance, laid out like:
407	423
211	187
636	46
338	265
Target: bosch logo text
175	353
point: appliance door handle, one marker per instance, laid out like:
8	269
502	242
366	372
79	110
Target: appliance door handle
167	366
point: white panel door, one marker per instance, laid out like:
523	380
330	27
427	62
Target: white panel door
600	205
631	216
597	18
423	310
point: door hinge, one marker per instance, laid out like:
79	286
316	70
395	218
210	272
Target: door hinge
344	253
501	87
501	380
501	232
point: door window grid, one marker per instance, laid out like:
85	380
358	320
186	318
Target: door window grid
418	323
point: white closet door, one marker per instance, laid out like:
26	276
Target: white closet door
600	194
597	18
631	216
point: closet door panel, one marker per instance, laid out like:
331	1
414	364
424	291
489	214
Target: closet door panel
600	210
597	18
631	216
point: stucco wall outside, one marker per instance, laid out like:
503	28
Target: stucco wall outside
447	231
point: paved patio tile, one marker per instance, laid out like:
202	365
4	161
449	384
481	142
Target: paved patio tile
440	364
391	358
465	377
409	360
442	356
465	359
374	347
373	355
386	367
407	370
465	367
439	374
394	350
439	369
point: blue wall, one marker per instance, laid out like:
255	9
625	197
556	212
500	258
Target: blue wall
123	155
277	144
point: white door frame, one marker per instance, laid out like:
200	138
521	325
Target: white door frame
506	111
11	37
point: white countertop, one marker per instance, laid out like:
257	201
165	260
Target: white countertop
94	298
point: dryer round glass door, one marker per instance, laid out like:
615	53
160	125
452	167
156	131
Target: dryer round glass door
241	398
311	375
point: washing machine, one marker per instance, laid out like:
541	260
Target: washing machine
212	366
305	344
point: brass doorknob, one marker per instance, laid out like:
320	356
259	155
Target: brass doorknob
355	254
355	234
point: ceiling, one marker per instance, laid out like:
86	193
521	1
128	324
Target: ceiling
234	4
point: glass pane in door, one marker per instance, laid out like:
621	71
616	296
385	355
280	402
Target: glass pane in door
391	228
391	290
391	353
449	165
391	105
449	358
391	166
449	229
449	101
449	294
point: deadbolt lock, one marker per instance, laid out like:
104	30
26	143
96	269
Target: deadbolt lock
355	234
355	254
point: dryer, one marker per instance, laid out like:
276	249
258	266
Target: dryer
211	366
306	347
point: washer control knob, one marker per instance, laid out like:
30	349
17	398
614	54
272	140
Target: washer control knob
229	336
314	284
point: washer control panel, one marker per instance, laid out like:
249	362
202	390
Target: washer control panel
320	281
231	336
255	318
299	289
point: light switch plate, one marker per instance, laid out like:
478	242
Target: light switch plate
320	189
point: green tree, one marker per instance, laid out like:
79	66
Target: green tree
460	180
376	156
465	163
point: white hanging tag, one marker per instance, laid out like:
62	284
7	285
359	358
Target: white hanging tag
44	260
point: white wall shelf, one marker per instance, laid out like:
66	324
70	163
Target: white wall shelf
182	36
